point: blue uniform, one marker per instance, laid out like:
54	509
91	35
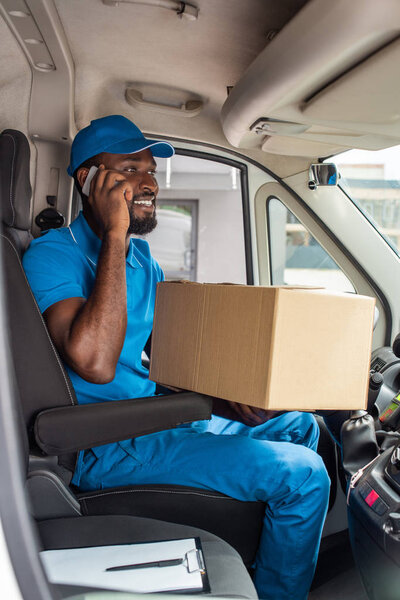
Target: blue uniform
274	462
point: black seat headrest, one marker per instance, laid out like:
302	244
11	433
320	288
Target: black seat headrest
15	186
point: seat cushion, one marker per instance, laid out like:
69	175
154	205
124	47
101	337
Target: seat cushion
238	523
226	571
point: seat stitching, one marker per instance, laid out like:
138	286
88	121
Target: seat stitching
43	323
12	174
156	491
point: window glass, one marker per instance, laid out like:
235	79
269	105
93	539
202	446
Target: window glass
200	234
296	256
372	180
174	240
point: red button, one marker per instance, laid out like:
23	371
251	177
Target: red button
371	498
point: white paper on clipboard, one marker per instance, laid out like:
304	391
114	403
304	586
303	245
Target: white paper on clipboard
87	567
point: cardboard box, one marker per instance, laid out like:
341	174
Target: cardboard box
270	347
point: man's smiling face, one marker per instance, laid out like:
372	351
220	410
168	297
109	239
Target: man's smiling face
140	170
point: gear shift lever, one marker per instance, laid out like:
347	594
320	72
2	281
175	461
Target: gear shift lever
359	445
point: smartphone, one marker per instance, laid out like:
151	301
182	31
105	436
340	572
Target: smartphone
86	185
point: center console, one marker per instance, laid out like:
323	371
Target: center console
374	489
374	525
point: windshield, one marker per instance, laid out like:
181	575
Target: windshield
372	180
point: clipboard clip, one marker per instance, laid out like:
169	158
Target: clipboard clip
195	561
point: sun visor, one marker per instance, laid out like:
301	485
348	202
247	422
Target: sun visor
327	82
369	93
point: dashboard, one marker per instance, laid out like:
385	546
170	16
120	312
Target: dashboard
386	410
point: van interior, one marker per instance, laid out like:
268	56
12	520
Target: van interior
285	119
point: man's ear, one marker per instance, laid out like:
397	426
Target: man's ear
81	175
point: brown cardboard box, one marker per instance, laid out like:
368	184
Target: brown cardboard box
270	347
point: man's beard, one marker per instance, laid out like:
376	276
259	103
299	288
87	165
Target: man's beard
141	226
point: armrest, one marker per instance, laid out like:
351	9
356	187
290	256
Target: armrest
71	428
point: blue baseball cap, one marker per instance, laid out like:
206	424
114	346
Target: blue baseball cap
114	134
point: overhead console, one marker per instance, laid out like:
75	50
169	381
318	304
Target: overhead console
327	82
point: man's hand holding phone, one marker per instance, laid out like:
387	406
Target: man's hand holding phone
108	192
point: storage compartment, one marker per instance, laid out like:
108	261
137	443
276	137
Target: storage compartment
327	82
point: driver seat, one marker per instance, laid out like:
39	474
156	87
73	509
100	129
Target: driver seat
58	427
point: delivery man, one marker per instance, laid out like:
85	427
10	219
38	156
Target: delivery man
95	286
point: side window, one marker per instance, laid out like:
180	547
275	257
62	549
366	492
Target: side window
295	255
200	234
174	241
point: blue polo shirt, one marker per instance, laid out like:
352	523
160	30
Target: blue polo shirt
62	264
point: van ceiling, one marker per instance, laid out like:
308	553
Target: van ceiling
169	59
158	53
140	60
113	46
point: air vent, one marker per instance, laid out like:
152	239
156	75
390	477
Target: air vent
378	364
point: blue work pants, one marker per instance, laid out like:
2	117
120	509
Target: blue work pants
275	463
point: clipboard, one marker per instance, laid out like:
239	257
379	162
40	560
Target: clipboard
88	567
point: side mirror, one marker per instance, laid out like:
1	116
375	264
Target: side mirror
322	174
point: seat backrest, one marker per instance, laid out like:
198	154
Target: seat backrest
15	188
41	379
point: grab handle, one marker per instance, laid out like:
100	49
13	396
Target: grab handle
191	108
